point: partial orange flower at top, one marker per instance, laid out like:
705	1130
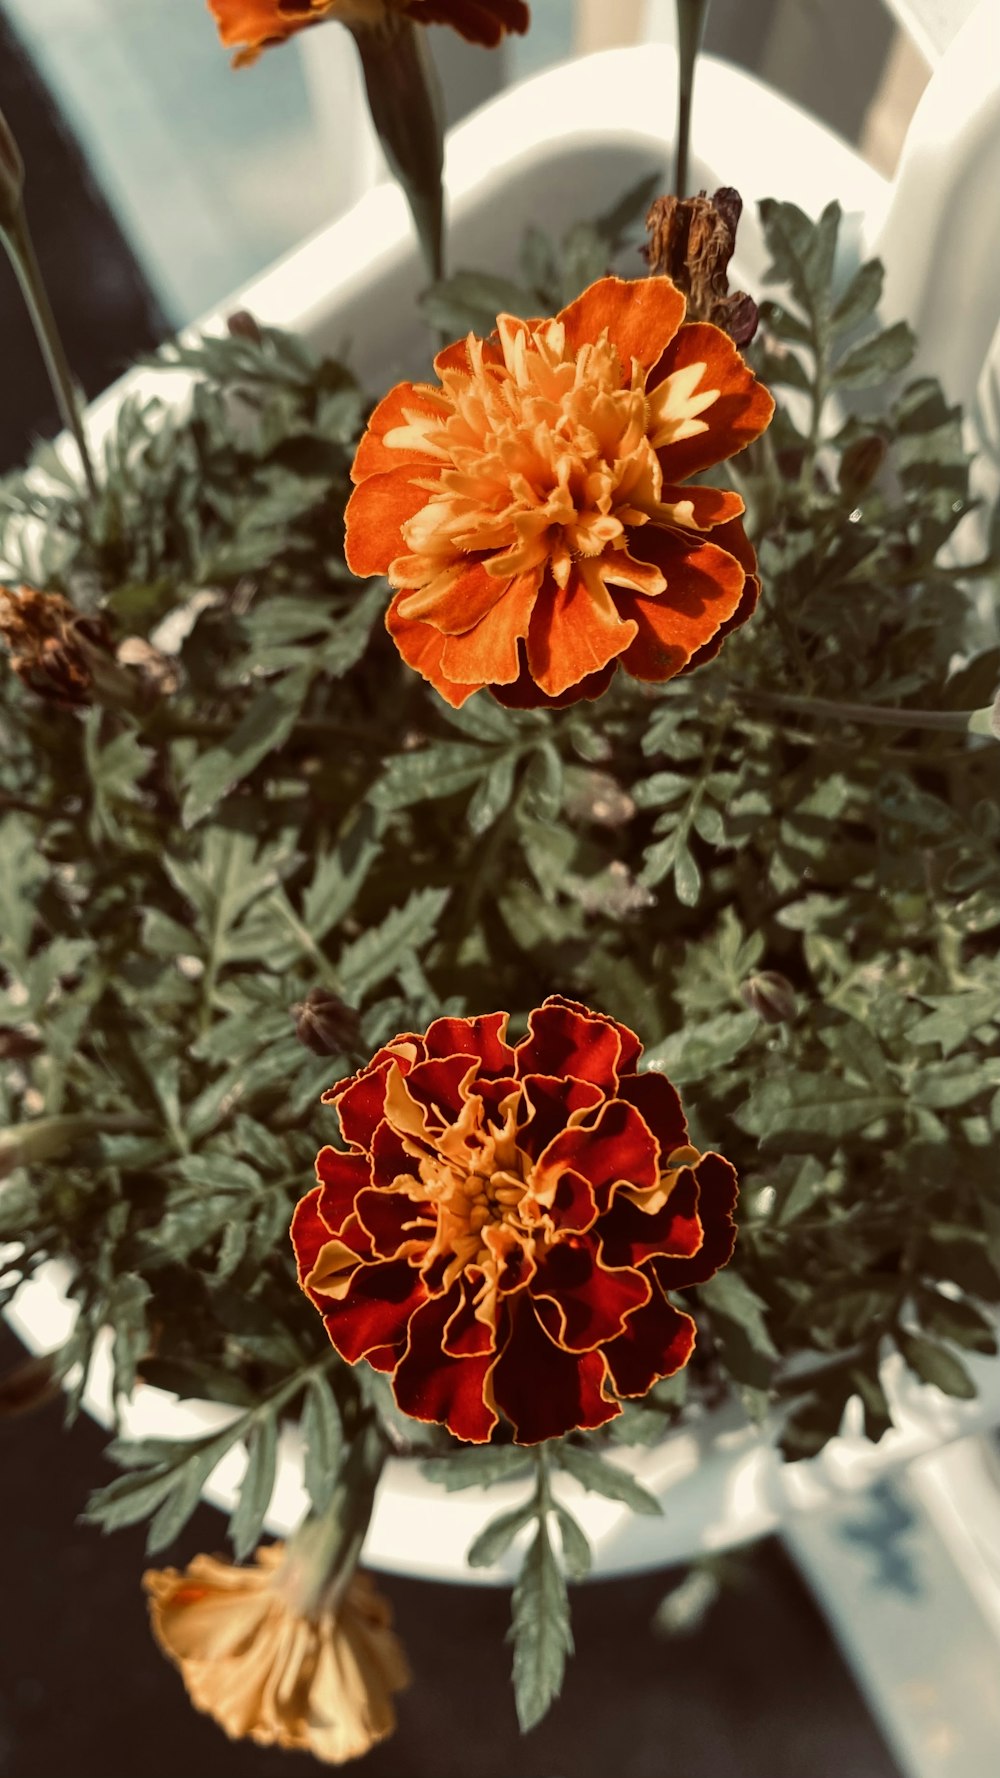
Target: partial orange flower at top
529	508
249	26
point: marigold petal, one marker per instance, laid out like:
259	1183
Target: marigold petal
657	1341
465	1336
361	1104
341	1177
632	1235
309	1232
718	1189
431	1386
659	1104
483	1037
488	653
374	518
524	694
458	600
580	1302
616	1147
740	413
710	510
565	1038
704	588
544	1391
395	1224
456	356
478	21
575	630
422	648
383	1297
373	456
548	1104
640	316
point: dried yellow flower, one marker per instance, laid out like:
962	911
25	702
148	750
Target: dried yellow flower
318	1680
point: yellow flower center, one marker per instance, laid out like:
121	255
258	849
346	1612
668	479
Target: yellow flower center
546	458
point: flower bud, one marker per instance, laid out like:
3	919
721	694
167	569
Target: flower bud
770	995
11	176
244	326
326	1024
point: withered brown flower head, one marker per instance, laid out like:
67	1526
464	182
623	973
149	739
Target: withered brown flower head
53	647
692	240
319	1681
326	1024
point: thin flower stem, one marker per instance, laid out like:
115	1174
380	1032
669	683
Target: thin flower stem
20	247
691	16
878	715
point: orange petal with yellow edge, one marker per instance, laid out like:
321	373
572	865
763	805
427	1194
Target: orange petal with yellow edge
376	513
640	317
740	414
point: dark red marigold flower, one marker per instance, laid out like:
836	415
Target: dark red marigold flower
503	1232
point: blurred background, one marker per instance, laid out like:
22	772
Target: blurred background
159	182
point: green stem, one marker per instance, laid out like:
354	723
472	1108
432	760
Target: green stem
691	16
322	1557
20	247
877	715
404	97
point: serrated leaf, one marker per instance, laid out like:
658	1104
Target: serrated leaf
936	1364
428	773
263	730
799	1105
728	1295
257	1486
876	359
540	1629
577	1554
497	1537
476	1467
323	1441
600	1476
861	296
377	954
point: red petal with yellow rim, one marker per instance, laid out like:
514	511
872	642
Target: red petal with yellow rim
431	1386
658	1340
341	1177
361	1104
632	1236
580	1303
718	1190
547	1102
483	1037
543	1391
658	1104
565	1038
377	1310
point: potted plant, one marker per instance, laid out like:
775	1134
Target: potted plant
257	846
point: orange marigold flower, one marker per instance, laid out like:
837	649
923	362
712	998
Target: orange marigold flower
528	508
502	1234
252	25
320	1681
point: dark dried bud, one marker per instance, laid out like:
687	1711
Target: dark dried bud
11	176
861	463
326	1024
17	1046
54	649
770	995
30	1385
692	240
243	326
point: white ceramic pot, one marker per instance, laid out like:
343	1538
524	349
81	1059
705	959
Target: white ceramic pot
559	148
